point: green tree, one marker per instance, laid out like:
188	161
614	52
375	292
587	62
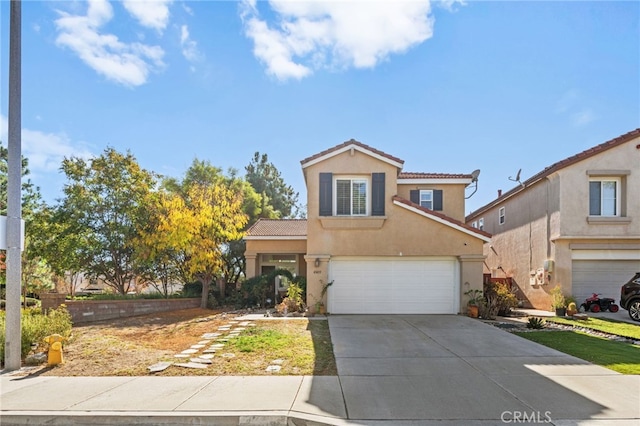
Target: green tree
267	181
105	203
31	198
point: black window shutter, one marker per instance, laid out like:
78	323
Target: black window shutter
594	198
326	186
437	199
377	194
414	196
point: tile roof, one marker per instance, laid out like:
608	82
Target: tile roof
347	143
560	165
441	216
278	228
412	175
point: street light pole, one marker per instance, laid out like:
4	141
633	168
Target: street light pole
12	355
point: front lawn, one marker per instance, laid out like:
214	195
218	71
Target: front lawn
618	356
610	326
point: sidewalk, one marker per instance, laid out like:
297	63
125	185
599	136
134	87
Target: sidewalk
432	370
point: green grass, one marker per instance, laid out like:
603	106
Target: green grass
304	346
603	324
618	356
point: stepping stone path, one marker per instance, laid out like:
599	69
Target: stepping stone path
200	354
276	366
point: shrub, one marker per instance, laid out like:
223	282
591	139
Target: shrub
507	299
35	326
535	323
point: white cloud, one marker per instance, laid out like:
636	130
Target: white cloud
45	151
149	13
189	47
568	100
583	117
352	33
125	63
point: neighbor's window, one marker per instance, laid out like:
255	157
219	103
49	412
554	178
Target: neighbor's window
501	216
474	224
604	197
351	197
426	198
481	224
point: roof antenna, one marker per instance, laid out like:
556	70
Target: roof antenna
517	179
474	179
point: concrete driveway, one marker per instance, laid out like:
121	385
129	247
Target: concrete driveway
454	370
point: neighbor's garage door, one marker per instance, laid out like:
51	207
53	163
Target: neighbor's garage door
393	286
601	276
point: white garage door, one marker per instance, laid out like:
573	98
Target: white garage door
601	276
393	286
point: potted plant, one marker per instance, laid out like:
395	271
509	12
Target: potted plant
320	307
558	302
475	297
572	309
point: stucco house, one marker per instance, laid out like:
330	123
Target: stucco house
387	240
575	224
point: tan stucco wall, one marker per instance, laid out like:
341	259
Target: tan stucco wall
399	233
575	193
543	222
452	198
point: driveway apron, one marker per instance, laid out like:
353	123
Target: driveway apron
448	367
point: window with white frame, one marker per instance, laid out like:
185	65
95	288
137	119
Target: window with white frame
604	196
481	224
426	198
474	224
351	197
501	216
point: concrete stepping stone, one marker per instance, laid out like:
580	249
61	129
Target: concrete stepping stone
217	346
238	329
207	356
160	366
209	351
228	355
244	323
210	335
191	365
189	351
233	322
223	340
277	362
204	342
201	360
181	355
224	328
197	346
273	368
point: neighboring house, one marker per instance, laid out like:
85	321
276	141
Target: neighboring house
388	241
575	224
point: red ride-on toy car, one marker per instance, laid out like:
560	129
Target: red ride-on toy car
597	304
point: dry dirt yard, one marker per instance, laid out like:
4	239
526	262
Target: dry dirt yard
127	347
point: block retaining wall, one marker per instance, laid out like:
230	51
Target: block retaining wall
84	311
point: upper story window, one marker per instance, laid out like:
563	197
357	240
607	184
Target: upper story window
351	197
481	224
431	199
604	196
343	195
501	214
426	198
474	224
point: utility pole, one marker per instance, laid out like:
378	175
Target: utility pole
13	332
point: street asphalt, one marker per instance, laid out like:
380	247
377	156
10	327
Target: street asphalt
408	370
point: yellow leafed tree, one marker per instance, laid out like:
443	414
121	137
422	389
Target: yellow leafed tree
198	224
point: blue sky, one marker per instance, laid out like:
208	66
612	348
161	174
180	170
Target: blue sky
446	86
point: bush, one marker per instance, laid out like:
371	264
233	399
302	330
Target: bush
535	323
35	326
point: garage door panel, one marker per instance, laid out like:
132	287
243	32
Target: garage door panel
388	285
604	277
